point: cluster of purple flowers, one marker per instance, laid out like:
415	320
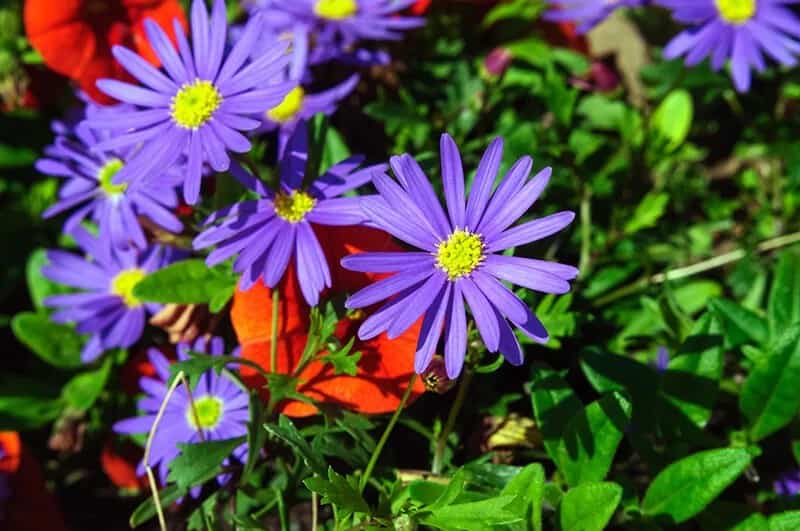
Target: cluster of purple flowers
744	32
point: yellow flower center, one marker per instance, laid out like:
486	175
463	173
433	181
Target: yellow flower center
295	206
736	11
106	175
460	254
195	103
288	107
122	285
209	412
335	9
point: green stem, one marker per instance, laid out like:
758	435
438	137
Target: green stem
441	443
700	267
273	347
586	231
376	453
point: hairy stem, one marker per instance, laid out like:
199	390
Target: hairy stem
455	409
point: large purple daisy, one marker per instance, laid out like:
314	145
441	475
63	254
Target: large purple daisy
458	264
268	231
586	14
221	407
90	193
739	30
106	307
202	103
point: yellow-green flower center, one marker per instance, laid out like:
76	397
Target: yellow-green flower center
335	9
288	107
195	103
460	254
106	175
294	207
736	11
209	412
122	285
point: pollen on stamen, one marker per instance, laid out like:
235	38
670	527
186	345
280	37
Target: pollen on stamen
460	254
293	207
288	107
208	411
335	9
105	178
195	104
736	11
123	284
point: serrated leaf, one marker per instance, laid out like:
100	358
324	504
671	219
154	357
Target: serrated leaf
147	510
648	212
342	360
769	397
199	462
783	306
56	344
474	516
337	491
286	431
186	282
686	487
590	440
740	324
82	391
589	506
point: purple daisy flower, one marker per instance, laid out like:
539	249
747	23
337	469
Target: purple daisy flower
739	30
788	484
337	25
299	106
202	103
586	14
106	307
90	193
268	231
222	408
458	262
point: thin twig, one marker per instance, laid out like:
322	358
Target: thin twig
314	511
441	442
162	523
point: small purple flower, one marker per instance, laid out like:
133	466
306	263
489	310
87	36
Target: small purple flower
459	261
662	359
202	103
106	307
337	25
299	106
739	30
788	484
221	406
586	14
90	194
268	231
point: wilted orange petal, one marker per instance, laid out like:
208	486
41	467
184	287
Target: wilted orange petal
11	447
119	464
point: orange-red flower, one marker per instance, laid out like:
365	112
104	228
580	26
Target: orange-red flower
75	36
31	506
119	463
385	365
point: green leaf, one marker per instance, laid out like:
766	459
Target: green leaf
788	521
591	438
39	286
691	382
554	403
83	390
287	432
342	360
783	306
672	119
147	509
197	463
338	491
186	282
740	324
56	344
769	397
686	487
528	487
27	403
648	212
589	506
474	516
335	149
